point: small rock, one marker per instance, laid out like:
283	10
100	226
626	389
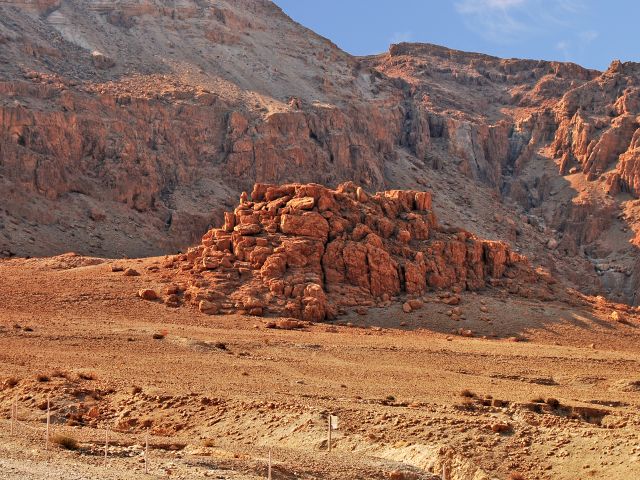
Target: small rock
147	294
130	272
500	427
208	308
452	300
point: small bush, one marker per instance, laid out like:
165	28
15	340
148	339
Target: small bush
135	390
467	393
66	442
42	377
11	382
552	402
390	398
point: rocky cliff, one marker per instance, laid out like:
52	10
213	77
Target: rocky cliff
309	252
128	128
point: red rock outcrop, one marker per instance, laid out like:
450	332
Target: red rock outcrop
307	251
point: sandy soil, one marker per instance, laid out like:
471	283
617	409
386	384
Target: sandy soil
218	392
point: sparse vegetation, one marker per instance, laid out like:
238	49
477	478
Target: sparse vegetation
41	377
65	441
467	393
552	402
11	382
135	390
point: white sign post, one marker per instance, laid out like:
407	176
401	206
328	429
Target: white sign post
333	425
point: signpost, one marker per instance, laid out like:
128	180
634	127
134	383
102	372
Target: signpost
333	425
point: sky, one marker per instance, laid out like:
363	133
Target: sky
591	33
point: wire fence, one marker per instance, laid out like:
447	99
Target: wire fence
107	437
52	433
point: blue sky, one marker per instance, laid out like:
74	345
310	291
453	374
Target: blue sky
588	32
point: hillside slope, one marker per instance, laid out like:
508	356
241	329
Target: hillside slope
128	127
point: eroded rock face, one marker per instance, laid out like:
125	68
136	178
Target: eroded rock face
311	251
120	137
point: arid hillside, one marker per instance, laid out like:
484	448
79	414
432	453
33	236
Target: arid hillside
128	127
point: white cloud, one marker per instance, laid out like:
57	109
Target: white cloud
589	36
493	19
503	21
399	37
477	6
563	46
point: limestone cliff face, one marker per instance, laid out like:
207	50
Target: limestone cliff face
128	127
558	139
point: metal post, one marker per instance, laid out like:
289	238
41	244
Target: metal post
48	423
146	453
106	444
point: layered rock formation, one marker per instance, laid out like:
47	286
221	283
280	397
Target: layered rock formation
307	251
127	128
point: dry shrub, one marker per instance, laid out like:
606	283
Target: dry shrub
467	393
41	377
65	441
552	402
11	382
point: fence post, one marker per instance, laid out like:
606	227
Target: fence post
48	422
106	444
146	453
14	415
329	435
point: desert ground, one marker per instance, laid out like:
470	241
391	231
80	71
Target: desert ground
544	390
